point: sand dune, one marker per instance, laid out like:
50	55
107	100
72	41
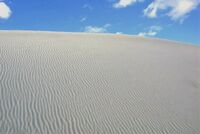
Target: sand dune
59	83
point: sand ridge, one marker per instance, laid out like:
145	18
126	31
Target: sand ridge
58	83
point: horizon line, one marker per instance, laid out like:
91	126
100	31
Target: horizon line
105	33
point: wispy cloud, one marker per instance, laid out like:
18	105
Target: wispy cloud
177	9
152	31
118	33
96	29
87	6
5	11
125	3
83	19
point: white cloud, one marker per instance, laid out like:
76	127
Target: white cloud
118	33
5	11
156	28
149	33
125	3
177	9
95	29
152	31
107	25
83	19
87	6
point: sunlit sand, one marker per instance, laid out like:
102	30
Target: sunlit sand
75	83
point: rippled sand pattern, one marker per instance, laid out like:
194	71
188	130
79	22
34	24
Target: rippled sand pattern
64	83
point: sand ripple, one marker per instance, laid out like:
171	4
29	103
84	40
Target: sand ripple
58	83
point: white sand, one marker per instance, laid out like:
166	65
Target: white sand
59	83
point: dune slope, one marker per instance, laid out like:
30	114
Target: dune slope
59	83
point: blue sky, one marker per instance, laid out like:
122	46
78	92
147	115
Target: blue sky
169	19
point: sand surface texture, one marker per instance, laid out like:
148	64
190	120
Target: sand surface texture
65	83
